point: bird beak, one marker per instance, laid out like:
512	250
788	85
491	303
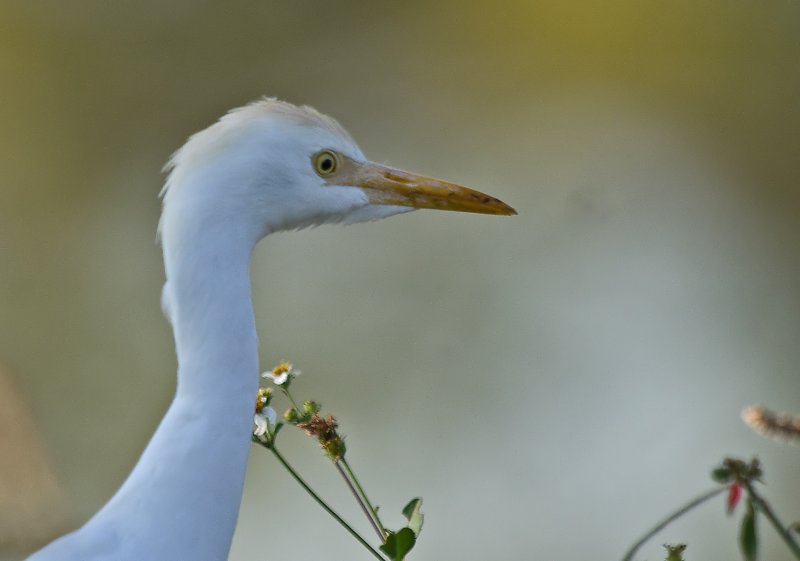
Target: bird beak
389	186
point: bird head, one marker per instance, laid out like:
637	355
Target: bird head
274	166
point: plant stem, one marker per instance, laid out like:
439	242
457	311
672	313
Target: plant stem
322	503
360	502
289	395
674	516
372	509
782	530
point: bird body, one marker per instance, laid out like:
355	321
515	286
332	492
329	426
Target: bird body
266	167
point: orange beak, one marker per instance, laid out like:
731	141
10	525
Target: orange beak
389	186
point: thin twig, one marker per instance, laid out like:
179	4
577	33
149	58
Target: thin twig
675	515
289	395
779	526
360	502
372	509
322	503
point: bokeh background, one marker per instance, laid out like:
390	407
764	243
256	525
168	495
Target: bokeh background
551	383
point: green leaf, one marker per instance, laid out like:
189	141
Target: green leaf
721	474
411	506
413	513
398	545
748	539
675	552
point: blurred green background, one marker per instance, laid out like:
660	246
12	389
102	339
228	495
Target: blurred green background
551	383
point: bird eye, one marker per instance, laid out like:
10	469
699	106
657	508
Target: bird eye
325	163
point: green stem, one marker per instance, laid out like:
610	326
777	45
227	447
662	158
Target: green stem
322	503
779	526
372	509
360	502
674	516
289	395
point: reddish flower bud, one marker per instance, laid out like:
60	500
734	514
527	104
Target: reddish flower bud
734	494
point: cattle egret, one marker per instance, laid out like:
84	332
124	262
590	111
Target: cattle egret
262	168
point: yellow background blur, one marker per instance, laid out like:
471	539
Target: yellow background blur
551	383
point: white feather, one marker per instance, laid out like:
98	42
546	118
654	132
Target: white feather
231	184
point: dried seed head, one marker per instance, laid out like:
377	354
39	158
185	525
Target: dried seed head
324	430
775	425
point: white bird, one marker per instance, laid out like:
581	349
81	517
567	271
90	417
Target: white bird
262	168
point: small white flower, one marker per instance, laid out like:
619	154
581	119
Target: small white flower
281	373
263	420
263	397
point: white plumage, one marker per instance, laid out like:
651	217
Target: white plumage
262	168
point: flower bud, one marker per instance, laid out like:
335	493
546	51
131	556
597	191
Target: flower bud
311	407
734	494
291	415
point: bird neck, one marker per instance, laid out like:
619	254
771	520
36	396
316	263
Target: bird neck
208	299
190	477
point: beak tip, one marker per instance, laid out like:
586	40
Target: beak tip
507	210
